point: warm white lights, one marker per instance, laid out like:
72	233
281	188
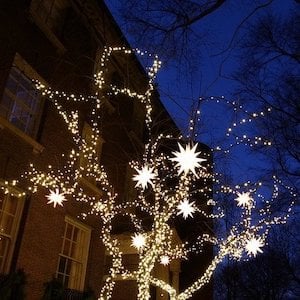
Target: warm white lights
170	195
56	198
187	159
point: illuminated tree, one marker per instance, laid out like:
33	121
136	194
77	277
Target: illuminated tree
165	184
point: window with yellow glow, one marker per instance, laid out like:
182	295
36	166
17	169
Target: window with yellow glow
10	214
74	254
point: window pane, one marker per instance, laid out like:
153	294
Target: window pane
74	251
69	229
75	234
4	244
67	245
69	266
12	84
6	223
62	264
4	249
21	101
11	205
6	104
10	214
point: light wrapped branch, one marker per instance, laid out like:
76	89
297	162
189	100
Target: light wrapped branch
166	185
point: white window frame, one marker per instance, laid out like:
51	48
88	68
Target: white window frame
26	73
9	192
78	268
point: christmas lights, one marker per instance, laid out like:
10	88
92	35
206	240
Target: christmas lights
172	179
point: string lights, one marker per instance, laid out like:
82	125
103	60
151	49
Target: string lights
172	179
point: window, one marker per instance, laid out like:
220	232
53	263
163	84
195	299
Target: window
21	102
50	17
51	12
74	253
11	207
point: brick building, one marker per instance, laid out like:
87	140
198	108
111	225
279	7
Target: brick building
59	42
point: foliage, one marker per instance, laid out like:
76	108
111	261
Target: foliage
269	77
54	290
12	286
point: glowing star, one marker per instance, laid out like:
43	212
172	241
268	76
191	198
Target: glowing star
186	209
138	241
244	199
187	159
253	246
165	260
56	198
144	177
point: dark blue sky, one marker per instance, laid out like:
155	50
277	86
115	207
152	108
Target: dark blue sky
180	88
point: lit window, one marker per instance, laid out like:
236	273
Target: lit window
21	102
10	214
74	254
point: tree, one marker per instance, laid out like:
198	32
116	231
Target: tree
269	80
273	275
166	26
169	185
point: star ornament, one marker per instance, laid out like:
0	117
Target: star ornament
253	246
244	199
186	209
144	177
165	260
138	241
187	159
56	198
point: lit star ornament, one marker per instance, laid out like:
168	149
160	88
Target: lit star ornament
138	241
144	177
253	246
244	199
186	209
187	159
56	198
165	260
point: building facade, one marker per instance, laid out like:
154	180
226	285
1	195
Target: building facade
59	43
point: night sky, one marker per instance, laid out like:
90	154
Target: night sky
181	87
